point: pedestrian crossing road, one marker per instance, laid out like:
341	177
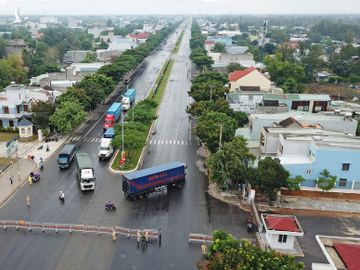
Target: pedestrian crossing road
152	142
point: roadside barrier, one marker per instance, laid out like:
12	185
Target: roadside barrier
200	238
153	234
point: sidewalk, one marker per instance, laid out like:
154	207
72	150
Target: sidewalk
22	168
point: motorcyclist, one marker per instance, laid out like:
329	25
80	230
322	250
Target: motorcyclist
110	205
41	163
61	195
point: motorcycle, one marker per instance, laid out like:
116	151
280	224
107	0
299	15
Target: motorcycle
110	206
35	177
61	196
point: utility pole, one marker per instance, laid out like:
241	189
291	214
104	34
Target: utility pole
220	135
122	133
211	89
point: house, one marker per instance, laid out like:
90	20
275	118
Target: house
293	140
122	43
324	76
281	232
139	37
264	102
209	45
107	55
16	102
15	46
227	41
311	155
340	252
75	56
224	59
250	78
331	122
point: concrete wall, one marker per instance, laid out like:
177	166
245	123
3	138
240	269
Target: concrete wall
274	243
254	78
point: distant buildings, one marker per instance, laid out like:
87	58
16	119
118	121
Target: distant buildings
75	56
15	46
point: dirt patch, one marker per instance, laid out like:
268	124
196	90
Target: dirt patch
322	194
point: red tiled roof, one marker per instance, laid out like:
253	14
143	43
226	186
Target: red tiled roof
349	254
209	42
140	35
287	224
238	74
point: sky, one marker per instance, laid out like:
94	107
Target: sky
119	7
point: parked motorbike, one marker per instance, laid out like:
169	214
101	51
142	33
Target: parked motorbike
110	206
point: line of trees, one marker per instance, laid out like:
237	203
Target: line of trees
198	53
72	107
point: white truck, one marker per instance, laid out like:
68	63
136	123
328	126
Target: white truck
85	172
106	150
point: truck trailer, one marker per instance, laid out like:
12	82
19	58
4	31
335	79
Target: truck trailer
128	99
140	184
85	172
112	115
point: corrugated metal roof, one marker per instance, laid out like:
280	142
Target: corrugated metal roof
153	170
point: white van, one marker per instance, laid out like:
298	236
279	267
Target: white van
106	149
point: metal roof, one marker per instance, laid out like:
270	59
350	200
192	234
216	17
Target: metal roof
153	170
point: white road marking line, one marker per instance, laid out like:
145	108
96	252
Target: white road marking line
170	142
166	141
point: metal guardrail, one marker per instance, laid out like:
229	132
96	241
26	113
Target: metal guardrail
200	238
153	234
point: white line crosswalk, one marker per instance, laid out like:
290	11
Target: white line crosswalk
86	139
171	142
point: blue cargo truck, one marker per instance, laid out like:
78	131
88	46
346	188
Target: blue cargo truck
128	99
140	184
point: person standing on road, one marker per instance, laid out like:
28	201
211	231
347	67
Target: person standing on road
11	179
159	232
147	236
203	248
138	237
28	200
113	234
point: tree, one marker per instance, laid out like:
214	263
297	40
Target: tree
3	44
326	181
68	115
212	90
11	69
241	118
209	126
77	95
41	111
279	36
294	182
234	66
270	177
89	58
269	48
286	74
231	163
133	140
103	45
219	48
211	76
205	106
226	253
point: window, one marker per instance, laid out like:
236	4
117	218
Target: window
282	238
345	166
5	109
308	171
11	123
342	182
22	130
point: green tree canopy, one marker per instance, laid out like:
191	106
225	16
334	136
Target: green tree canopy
219	48
231	164
326	181
68	115
11	69
211	76
77	95
41	111
208	129
270	177
234	66
211	90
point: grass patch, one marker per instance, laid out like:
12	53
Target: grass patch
130	163
7	136
177	46
159	91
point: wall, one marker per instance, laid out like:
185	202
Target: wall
332	160
254	78
274	243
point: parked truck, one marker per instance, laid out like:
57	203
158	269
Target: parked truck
106	150
109	133
128	99
85	172
140	184
112	115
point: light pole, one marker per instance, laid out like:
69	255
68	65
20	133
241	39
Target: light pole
220	136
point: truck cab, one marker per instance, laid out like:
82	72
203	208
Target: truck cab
106	150
109	121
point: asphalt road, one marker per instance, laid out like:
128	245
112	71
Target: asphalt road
177	213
